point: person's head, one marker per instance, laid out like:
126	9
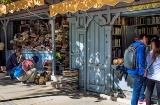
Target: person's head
143	38
35	59
155	45
18	52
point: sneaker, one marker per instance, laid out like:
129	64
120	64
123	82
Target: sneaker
141	101
24	82
12	77
2	71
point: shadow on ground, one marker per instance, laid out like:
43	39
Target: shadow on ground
76	95
32	92
6	81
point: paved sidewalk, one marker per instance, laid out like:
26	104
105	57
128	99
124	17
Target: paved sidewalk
16	93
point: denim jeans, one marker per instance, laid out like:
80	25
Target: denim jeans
11	71
150	86
139	87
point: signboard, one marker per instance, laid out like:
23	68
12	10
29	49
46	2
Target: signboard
144	6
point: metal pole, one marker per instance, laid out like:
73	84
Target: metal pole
5	33
52	22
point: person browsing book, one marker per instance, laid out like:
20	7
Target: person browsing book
12	62
153	71
138	73
29	71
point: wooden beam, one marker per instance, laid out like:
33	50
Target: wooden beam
26	13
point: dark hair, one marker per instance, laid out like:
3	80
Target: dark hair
35	59
141	36
17	51
156	51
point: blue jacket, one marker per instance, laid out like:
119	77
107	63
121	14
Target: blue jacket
11	62
141	58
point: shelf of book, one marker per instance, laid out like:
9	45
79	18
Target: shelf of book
117	39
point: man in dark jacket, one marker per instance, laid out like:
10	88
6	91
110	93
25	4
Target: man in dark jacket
138	73
12	62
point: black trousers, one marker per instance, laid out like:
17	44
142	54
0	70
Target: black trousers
150	84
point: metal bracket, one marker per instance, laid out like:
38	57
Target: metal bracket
36	14
5	22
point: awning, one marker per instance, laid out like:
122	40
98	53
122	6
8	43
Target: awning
18	5
75	5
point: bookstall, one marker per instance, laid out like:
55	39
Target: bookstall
90	40
134	22
33	37
98	38
32	31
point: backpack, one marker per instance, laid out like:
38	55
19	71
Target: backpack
130	60
18	71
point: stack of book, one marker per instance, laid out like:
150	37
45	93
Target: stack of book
70	80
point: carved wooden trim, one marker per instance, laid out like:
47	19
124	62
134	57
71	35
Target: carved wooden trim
72	19
68	14
114	18
103	19
100	14
108	15
88	21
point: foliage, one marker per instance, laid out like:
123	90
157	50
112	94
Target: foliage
5	1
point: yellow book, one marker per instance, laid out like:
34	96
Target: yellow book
123	21
154	30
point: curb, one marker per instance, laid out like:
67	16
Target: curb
121	100
104	96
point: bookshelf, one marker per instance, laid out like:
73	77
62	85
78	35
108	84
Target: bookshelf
117	39
62	45
125	29
149	25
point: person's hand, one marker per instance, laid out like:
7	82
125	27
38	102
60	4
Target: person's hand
145	73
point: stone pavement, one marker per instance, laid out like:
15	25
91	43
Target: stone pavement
16	93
